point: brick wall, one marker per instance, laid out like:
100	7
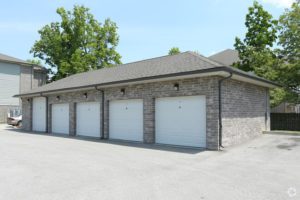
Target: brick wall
244	107
26	113
148	92
244	112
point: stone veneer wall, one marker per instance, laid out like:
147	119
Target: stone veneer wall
245	111
148	92
27	114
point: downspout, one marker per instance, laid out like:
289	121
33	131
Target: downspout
32	77
102	112
220	108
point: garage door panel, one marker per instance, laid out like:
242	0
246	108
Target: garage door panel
39	114
181	121
88	119
60	118
126	120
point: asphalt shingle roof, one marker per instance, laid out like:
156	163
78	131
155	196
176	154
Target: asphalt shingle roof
155	67
187	61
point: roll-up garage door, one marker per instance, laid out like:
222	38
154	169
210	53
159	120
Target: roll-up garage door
181	121
39	114
60	118
88	119
126	119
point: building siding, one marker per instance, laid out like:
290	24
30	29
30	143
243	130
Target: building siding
9	83
39	79
26	79
15	79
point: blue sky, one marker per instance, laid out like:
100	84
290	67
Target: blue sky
146	28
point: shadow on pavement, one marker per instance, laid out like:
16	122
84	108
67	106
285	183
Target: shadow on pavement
158	147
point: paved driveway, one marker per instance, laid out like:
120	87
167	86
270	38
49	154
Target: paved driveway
46	167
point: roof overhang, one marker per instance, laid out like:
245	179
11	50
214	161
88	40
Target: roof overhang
218	71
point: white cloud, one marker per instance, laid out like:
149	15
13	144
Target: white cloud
280	3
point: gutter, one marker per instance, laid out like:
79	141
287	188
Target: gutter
202	71
102	112
220	109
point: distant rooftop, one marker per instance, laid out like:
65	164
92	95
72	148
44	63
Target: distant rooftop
4	57
226	57
10	59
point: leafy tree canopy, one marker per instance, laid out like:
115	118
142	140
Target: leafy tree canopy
174	50
254	50
34	61
289	40
281	65
77	43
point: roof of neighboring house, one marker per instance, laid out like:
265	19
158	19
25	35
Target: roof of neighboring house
186	63
4	57
10	59
226	57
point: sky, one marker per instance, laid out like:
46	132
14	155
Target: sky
146	28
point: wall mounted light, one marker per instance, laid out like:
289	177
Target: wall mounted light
176	86
122	91
28	100
57	98
85	95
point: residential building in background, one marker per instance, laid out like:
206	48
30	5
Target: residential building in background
17	76
226	57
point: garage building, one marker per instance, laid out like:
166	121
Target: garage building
184	99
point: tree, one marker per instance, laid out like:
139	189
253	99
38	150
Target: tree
279	65
77	43
174	50
34	61
255	50
289	40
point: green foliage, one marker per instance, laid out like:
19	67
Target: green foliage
254	50
34	61
174	50
279	95
77	43
256	53
289	39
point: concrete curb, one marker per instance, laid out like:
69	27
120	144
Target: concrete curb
292	133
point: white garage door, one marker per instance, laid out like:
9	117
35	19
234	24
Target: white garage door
181	121
126	120
60	118
88	119
39	114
